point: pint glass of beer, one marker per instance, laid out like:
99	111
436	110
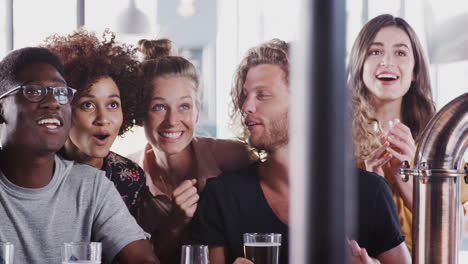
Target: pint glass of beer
262	248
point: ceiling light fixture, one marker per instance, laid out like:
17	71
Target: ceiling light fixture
132	20
186	8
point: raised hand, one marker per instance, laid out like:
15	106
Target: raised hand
186	197
402	146
378	158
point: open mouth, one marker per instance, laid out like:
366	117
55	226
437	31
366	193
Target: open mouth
101	137
386	77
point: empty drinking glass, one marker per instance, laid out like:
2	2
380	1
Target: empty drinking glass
6	253
194	254
81	252
388	125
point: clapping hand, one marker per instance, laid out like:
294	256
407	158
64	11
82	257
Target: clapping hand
378	158
397	145
402	146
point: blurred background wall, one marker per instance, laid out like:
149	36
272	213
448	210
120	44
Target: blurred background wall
215	34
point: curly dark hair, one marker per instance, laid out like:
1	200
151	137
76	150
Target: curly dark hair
86	59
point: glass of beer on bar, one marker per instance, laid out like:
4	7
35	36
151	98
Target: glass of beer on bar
262	248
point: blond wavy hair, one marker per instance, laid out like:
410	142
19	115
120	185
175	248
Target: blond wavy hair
417	104
274	52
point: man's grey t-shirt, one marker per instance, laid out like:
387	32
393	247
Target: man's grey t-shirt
79	204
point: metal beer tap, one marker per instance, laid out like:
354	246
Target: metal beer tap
436	184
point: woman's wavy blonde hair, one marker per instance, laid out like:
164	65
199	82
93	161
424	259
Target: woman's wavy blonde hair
417	105
274	52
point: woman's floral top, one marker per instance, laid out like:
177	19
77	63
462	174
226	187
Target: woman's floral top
128	178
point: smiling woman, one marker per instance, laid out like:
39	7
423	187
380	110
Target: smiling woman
388	69
177	164
105	74
389	82
392	103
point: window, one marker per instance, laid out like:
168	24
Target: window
36	20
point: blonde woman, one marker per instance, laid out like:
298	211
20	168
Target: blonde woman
176	162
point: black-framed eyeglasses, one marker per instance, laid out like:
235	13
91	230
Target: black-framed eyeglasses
36	93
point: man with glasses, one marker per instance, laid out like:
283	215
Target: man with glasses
46	201
36	92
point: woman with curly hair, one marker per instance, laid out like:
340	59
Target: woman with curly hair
105	74
392	103
177	164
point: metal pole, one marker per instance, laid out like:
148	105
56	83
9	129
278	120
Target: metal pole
365	11
80	13
402	11
9	25
319	97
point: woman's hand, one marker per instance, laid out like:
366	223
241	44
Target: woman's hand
186	197
378	158
397	146
359	255
402	147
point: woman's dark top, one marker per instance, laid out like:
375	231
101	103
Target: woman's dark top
128	178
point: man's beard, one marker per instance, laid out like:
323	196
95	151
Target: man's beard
275	136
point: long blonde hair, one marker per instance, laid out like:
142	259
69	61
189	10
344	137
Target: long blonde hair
417	105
